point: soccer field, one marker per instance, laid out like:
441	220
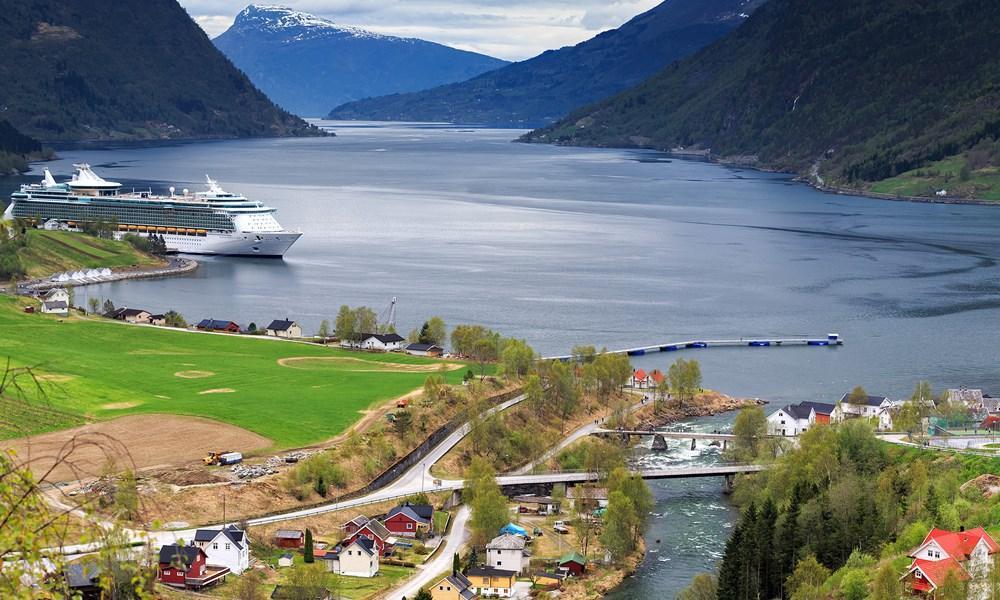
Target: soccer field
294	394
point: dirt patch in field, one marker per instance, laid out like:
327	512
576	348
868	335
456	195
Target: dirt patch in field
217	391
158	353
54	378
120	405
193	374
304	362
140	440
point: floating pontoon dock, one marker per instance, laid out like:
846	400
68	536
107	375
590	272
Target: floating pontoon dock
831	339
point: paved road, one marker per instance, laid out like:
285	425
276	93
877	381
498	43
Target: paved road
442	561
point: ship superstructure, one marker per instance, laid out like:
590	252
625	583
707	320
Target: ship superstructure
210	222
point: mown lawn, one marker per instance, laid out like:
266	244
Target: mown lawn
104	369
51	252
945	174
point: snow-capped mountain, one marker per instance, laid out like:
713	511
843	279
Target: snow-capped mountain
307	64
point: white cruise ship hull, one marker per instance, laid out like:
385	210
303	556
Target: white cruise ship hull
265	244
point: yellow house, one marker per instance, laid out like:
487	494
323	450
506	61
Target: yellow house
490	581
453	587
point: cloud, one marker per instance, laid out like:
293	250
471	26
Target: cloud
510	29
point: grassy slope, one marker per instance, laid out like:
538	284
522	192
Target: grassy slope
944	174
104	362
51	252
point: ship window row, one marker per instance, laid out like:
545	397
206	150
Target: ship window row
126	215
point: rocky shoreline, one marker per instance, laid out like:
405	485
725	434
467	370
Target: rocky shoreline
706	404
175	266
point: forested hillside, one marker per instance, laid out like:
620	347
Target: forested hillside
15	149
548	86
91	69
868	90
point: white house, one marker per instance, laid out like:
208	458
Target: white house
285	560
284	329
55	307
226	547
867	409
507	552
357	559
386	342
796	419
965	555
424	350
56	295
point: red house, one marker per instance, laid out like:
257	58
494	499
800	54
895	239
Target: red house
657	376
991	423
406	521
351	527
185	567
965	553
377	533
217	325
573	563
289	538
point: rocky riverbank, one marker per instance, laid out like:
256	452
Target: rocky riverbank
704	404
175	266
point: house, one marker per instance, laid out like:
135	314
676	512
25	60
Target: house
587	498
217	325
971	398
187	567
543	505
159	320
56	295
351	527
967	554
795	419
377	533
129	315
291	592
507	552
547	580
289	538
573	563
453	587
424	350
491	582
990	423
83	579
226	547
357	559
55	307
284	329
405	521
285	560
383	342
639	379
865	409
657	377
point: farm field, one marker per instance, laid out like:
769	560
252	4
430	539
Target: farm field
293	394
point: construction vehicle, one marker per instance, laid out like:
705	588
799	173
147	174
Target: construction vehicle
215	458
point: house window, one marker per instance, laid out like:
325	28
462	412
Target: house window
409	525
227	546
215	546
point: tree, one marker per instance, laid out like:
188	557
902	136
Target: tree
886	584
749	429
108	307
403	422
583	354
424	337
703	587
127	496
489	513
685	379
252	327
437	331
952	588
174	319
308	549
535	394
324	329
809	575
423	594
249	586
307	582
346	324
858	396
365	320
619	522
854	585
517	358
484	351
456	564
93	304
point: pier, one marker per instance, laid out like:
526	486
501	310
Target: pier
830	339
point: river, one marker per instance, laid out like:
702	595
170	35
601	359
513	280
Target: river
615	248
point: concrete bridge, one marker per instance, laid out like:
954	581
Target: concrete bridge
543	482
660	437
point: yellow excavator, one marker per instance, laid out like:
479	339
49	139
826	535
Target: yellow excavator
214	458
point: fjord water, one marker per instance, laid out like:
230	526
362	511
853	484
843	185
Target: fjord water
615	248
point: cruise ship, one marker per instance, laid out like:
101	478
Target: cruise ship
210	222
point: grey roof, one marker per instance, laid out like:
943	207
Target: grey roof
424	510
56	305
81	575
822	408
385	338
423	347
459	580
233	533
869	400
407	511
182	555
215	324
506	541
378	529
366	544
289	534
280	325
490	572
359	520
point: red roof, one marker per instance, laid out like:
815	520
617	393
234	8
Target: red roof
991	422
960	544
657	375
639	375
936	571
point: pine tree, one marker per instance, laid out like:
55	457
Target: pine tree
787	537
750	559
731	567
456	564
770	584
308	550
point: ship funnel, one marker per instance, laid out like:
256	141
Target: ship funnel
48	180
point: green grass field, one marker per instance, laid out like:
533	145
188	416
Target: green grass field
51	252
981	184
103	369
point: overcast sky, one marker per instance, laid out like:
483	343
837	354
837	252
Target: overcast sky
510	29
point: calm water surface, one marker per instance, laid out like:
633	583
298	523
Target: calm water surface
608	247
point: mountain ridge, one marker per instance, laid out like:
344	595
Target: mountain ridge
548	86
307	63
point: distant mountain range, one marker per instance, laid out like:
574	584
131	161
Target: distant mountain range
892	91
308	64
547	87
94	69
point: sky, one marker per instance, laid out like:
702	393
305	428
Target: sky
508	29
